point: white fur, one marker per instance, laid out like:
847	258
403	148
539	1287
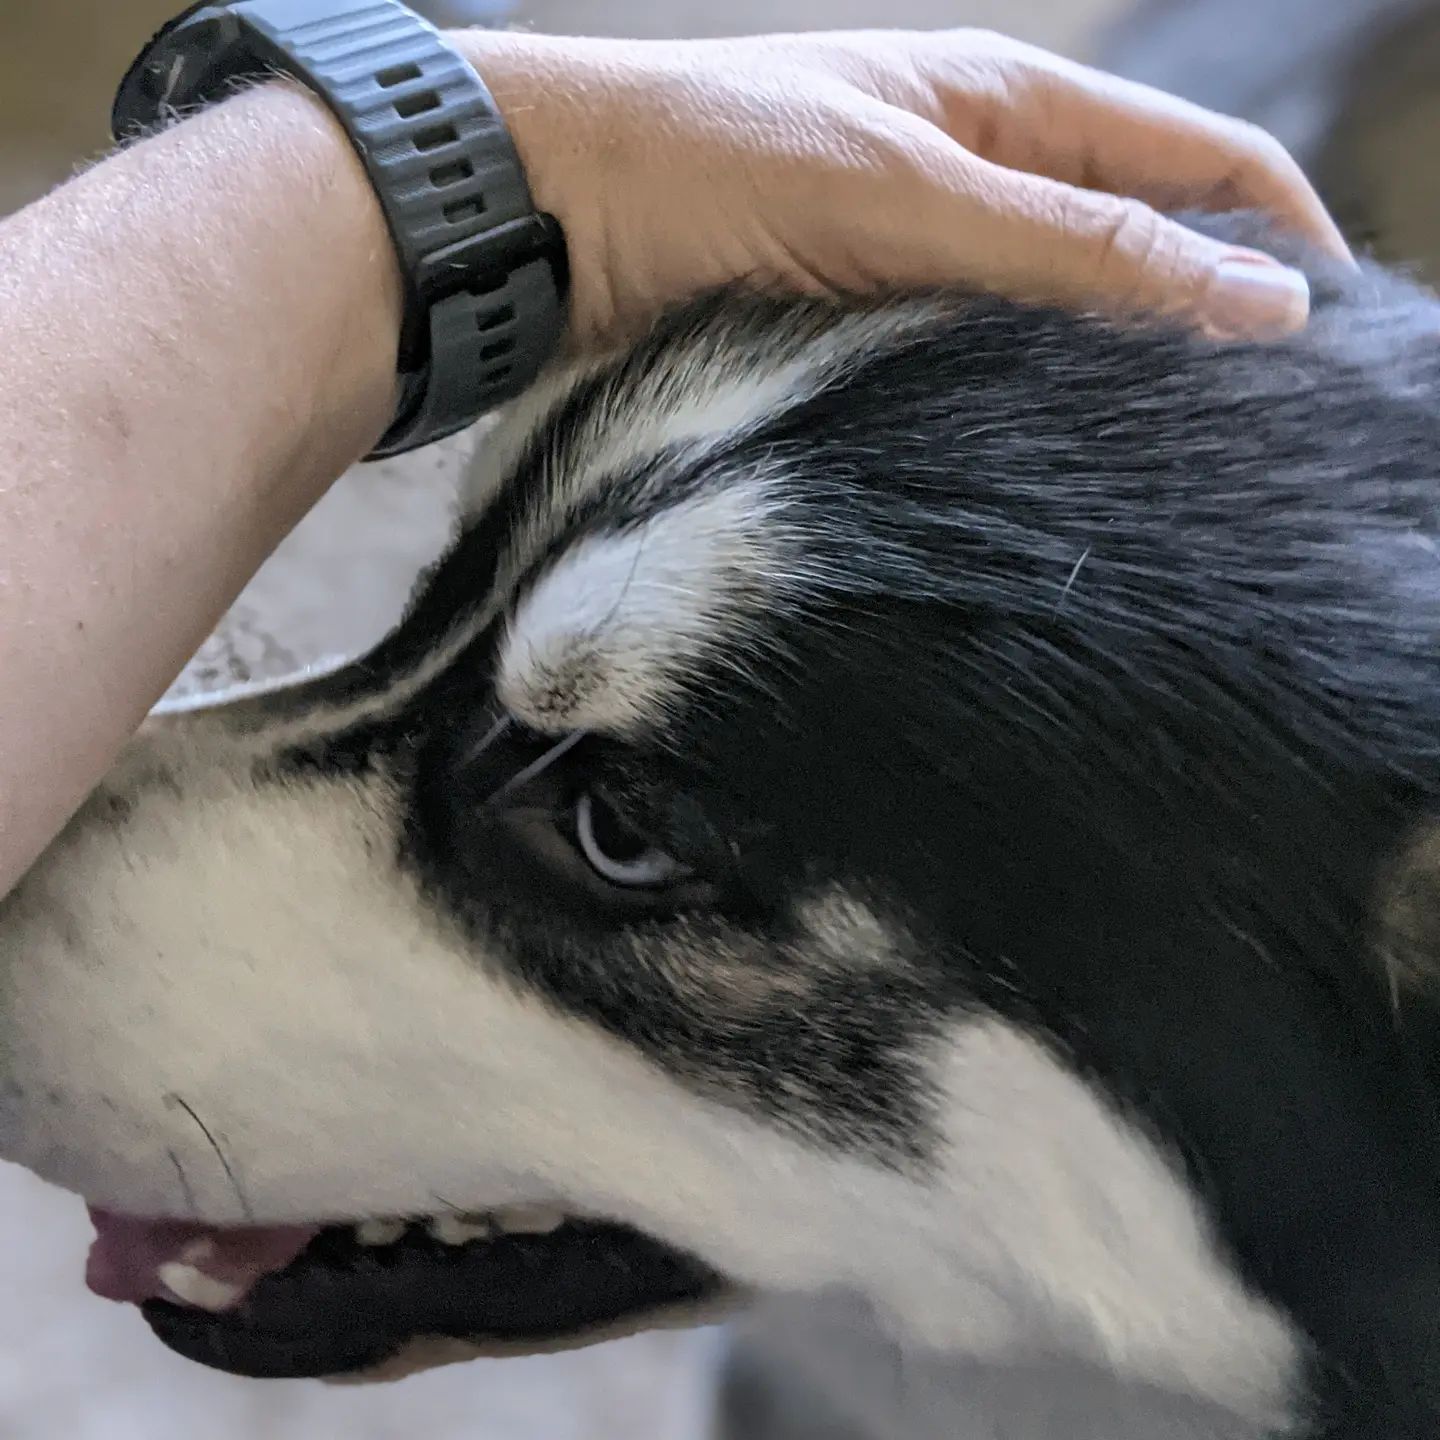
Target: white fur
689	407
606	638
832	1356
697	401
351	1059
700	397
253	959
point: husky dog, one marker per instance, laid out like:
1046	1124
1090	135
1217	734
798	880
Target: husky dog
928	809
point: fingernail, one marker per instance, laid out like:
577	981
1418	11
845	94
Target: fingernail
1254	299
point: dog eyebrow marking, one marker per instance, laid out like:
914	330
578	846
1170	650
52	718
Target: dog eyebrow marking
606	637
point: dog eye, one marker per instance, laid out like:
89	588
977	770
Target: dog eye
616	852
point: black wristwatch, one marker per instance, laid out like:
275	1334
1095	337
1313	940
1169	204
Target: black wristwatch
485	272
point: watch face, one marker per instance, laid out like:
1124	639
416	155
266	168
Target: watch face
485	275
177	70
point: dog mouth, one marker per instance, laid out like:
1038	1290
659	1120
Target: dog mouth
312	1302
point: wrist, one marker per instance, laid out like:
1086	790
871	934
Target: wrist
250	234
281	274
483	273
550	92
516	68
333	258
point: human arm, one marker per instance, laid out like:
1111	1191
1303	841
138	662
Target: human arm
200	332
198	335
889	158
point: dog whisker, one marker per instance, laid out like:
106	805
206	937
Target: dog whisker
185	1188
245	1209
487	740
1073	577
539	812
536	767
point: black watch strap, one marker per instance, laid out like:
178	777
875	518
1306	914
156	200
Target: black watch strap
485	272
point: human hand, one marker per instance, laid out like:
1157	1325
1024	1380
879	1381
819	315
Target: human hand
880	159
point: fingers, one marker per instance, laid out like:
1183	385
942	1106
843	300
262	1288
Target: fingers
1039	239
895	159
1094	131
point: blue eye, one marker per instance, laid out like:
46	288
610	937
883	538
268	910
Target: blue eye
616	852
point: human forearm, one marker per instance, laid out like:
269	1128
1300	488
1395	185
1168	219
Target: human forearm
199	336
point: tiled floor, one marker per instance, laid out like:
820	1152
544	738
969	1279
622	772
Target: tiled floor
73	1367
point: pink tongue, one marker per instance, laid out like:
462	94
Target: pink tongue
127	1256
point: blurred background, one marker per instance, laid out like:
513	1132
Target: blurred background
1352	86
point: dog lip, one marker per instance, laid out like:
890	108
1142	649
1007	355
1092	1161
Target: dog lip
214	1267
133	1259
340	1307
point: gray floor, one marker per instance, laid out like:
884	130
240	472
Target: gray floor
75	1368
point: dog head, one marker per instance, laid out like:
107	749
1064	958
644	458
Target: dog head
924	800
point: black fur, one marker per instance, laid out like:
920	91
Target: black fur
1120	695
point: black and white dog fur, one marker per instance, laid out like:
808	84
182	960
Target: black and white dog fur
934	804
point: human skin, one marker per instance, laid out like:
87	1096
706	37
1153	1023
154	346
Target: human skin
200	332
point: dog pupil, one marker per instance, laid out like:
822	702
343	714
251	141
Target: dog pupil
612	835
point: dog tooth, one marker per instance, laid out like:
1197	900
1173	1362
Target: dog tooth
198	1251
528	1219
379	1232
197	1288
458	1229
